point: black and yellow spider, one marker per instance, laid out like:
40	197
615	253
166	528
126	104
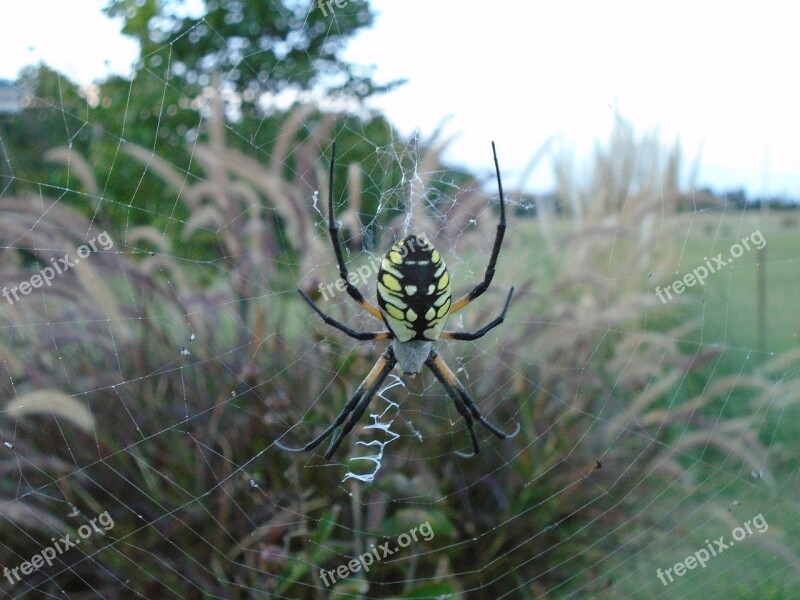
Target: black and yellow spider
415	301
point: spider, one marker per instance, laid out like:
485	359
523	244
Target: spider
414	302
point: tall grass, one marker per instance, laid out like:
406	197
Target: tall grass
110	406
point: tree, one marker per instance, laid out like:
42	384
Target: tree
239	49
54	114
258	46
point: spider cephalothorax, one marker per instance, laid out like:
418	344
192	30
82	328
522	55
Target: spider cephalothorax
414	302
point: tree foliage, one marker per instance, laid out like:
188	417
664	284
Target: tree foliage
243	51
260	47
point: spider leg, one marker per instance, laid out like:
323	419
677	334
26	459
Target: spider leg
462	410
359	335
333	228
358	402
498	240
457	392
466	336
359	410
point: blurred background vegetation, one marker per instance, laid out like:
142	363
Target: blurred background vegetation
646	428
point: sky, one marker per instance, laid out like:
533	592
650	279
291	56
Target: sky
717	76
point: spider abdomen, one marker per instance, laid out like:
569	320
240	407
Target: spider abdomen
414	290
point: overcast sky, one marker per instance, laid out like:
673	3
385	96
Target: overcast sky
720	76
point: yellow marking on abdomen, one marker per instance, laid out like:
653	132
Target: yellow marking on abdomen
387	266
389	297
443	310
395	312
390	281
441	299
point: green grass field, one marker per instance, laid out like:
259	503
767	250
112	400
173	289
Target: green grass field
727	307
723	490
730	309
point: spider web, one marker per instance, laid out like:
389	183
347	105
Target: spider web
145	386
